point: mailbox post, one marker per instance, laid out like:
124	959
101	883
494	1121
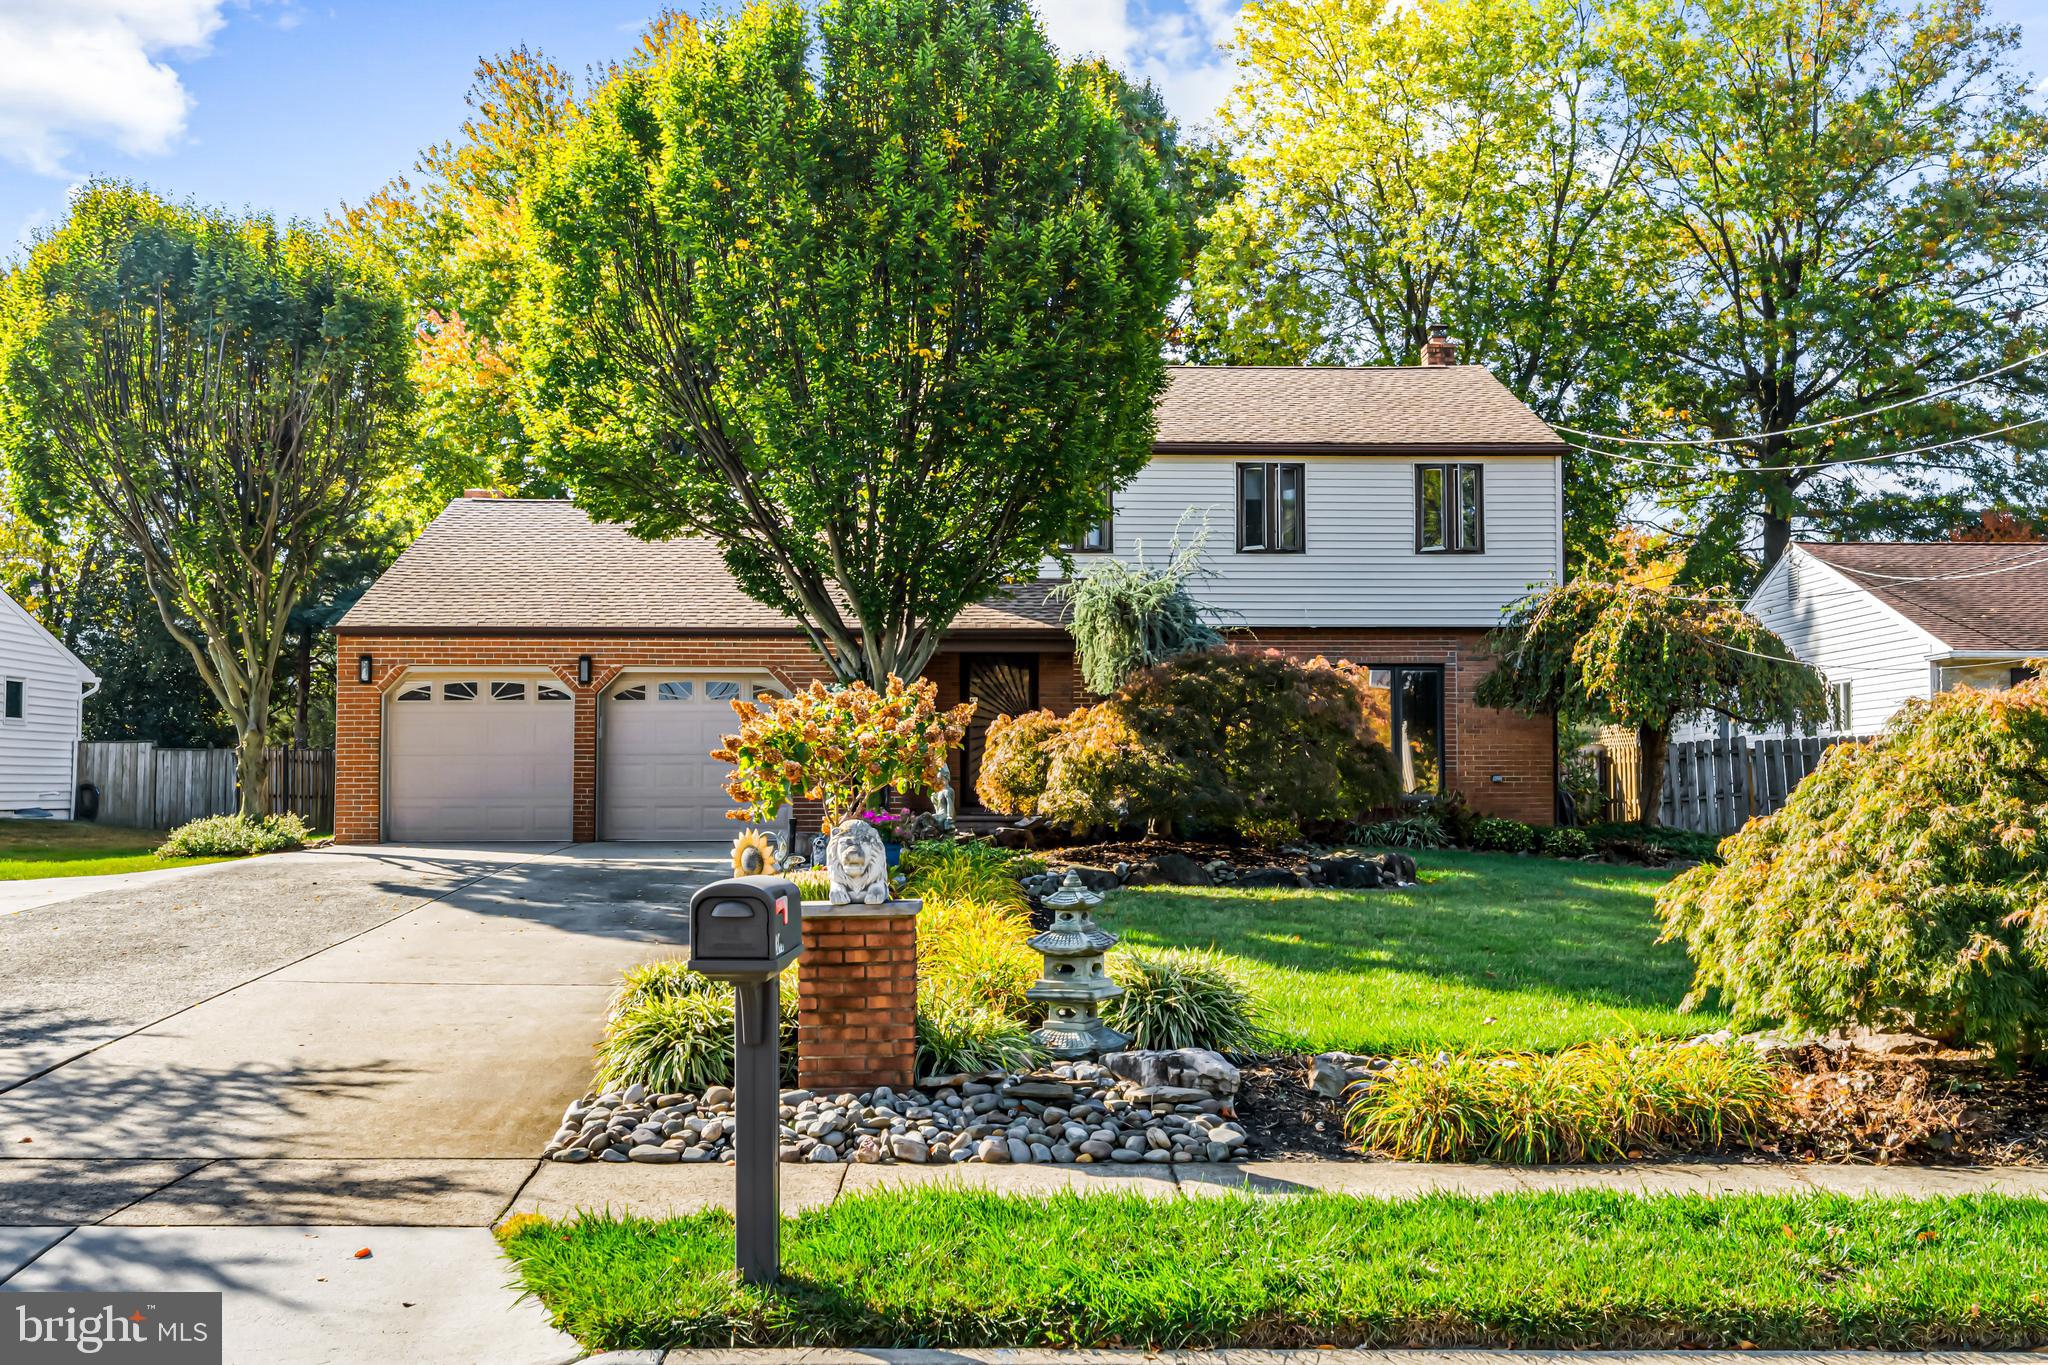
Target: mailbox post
746	930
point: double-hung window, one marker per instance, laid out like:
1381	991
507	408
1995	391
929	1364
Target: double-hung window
1099	539
1450	509
1270	509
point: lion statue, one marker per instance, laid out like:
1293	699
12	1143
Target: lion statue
857	864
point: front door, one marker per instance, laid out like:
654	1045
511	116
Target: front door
998	685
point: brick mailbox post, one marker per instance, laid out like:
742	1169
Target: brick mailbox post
857	997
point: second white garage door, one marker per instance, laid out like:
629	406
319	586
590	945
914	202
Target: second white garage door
659	779
478	758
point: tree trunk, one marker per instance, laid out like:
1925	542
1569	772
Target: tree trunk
1777	536
1653	746
300	721
252	772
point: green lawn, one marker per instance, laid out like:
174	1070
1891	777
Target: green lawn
934	1268
75	848
1491	952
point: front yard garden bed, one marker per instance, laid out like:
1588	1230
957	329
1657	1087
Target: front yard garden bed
952	1268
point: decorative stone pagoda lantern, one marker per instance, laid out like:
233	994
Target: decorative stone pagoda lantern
1074	983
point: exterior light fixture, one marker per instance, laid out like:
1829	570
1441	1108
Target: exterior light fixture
583	669
362	668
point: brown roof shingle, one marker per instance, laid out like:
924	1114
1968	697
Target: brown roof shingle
514	564
1394	409
1967	595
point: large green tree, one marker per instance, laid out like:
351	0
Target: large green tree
872	294
1856	193
1463	162
1635	656
217	393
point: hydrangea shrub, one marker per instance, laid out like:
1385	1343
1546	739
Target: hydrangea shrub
1905	880
838	745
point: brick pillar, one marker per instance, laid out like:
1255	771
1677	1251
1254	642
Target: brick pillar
857	997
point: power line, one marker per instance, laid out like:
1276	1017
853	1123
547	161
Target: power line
1809	426
1626	458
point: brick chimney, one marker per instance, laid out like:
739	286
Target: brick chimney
1439	349
481	493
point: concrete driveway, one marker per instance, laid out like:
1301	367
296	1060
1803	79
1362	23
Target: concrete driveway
362	1036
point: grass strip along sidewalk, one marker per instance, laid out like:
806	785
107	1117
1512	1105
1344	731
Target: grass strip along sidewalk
949	1268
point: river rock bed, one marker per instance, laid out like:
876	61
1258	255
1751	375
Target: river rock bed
1075	1113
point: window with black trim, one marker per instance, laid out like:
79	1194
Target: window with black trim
1099	539
1415	724
1271	513
17	698
1450	509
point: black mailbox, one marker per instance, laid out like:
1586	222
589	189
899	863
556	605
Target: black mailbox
746	928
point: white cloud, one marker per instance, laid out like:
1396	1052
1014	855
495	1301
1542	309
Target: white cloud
93	70
1176	44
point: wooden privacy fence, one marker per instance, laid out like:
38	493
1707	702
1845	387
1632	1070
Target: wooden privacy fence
1713	786
152	788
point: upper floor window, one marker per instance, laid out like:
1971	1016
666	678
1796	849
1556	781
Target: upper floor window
1098	539
16	695
1841	708
1269	509
1450	509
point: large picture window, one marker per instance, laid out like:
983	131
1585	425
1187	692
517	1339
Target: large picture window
1415	710
1271	515
1450	509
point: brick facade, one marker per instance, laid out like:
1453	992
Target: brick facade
857	998
1501	761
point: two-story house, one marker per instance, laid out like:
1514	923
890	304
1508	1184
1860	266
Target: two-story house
524	673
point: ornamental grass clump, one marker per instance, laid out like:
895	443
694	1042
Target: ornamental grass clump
942	870
974	952
1906	879
670	1029
1183	997
1604	1101
955	1036
229	836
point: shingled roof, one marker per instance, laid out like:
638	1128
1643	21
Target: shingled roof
1391	410
511	565
1966	595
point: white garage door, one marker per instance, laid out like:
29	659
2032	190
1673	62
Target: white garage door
659	780
478	758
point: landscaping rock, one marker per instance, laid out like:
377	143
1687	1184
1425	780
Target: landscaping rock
1271	877
1398	868
1331	1074
1096	878
1196	1068
1178	869
1350	872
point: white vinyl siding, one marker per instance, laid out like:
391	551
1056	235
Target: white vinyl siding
1359	566
38	751
1831	623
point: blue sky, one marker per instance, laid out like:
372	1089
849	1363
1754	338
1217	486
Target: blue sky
295	106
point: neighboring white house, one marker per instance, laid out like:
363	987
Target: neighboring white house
43	687
1885	622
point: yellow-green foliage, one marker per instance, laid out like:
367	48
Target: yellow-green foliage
973	951
670	1029
942	870
227	836
1598	1102
1905	876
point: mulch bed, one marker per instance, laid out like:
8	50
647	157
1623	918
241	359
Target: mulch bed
1241	856
1951	1110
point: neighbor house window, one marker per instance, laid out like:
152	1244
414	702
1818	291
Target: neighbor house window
1450	509
16	698
1098	539
1841	708
1269	509
1415	725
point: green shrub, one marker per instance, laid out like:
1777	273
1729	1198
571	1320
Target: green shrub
1492	834
670	1029
973	952
1251	742
946	870
228	836
1566	842
957	1035
1405	831
1598	1102
813	883
1653	843
1905	877
1183	997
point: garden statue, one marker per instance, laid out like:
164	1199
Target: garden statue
857	864
943	800
756	852
1075	982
